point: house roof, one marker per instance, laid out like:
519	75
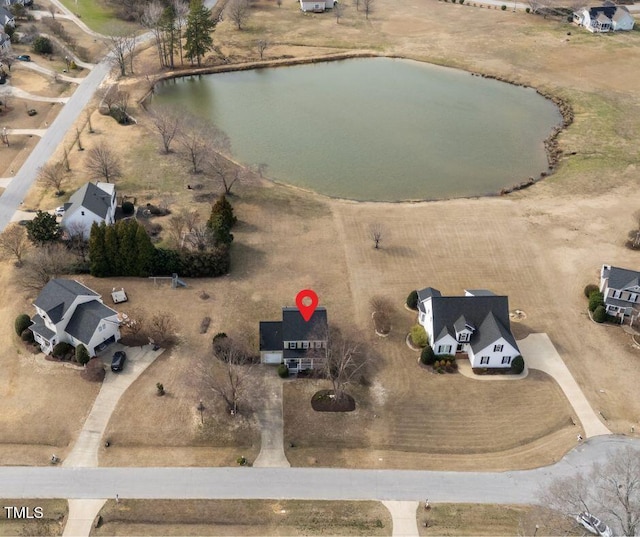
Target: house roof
40	328
620	278
425	293
295	328
57	296
86	318
479	292
619	303
489	313
271	335
5	13
90	197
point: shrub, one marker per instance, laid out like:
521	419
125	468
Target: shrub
82	355
72	65
127	208
159	389
219	335
527	10
503	8
42	45
242	461
419	336
412	300
283	371
595	299
22	322
27	336
589	289
517	365
428	357
600	314
61	350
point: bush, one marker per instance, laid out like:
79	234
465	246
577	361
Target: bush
595	299
503	8
242	461
527	10
127	208
589	289
412	300
42	45
419	336
517	365
160	389
22	322
27	336
61	350
600	314
428	357
82	354
283	371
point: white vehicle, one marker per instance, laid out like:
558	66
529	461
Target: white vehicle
60	210
593	524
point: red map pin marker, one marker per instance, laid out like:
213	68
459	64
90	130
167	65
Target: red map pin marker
306	310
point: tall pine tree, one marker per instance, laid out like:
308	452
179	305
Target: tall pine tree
198	32
98	264
145	252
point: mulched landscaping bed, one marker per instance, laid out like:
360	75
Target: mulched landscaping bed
323	401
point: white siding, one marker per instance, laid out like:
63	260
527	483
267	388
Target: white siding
446	341
495	357
273	358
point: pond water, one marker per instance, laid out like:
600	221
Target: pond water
376	128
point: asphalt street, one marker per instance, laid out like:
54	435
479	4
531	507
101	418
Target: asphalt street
517	487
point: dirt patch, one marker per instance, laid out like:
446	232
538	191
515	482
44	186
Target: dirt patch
243	517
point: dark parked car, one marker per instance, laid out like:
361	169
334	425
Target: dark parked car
117	363
24	58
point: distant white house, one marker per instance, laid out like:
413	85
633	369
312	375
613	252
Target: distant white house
621	290
6	17
69	312
476	323
317	6
90	203
606	18
5	43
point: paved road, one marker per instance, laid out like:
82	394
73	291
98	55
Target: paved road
517	487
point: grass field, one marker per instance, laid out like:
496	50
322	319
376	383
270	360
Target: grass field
243	517
96	15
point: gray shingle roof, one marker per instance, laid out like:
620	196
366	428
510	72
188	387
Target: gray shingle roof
620	278
480	292
57	296
425	293
91	198
39	327
271	336
295	328
86	318
489	313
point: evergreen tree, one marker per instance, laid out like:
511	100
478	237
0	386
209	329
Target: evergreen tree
43	229
145	252
98	263
127	247
112	251
198	31
82	354
170	35
223	208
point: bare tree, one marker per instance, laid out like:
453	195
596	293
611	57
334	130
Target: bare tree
167	122
44	264
121	47
222	171
367	6
181	10
238	12
135	324
53	175
52	10
202	141
14	242
103	163
262	45
357	4
343	361
611	491
227	377
279	2
376	232
151	17
338	11
200	237
162	329
76	237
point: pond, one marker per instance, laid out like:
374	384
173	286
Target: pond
377	129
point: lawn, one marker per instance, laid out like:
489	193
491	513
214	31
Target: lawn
53	514
96	15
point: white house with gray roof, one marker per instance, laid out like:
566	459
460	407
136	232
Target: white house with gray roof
90	203
69	312
606	18
621	290
476	323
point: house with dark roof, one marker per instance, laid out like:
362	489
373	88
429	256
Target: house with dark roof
606	18
476	323
69	312
6	17
621	290
293	341
90	203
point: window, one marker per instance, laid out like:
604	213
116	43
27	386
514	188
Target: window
484	360
497	348
444	349
99	328
305	344
292	344
463	337
506	359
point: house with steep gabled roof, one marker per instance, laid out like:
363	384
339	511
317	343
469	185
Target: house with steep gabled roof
293	341
476	323
90	203
621	291
69	312
606	18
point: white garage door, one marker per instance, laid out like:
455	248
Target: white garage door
272	358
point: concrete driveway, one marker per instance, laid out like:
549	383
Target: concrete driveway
85	450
